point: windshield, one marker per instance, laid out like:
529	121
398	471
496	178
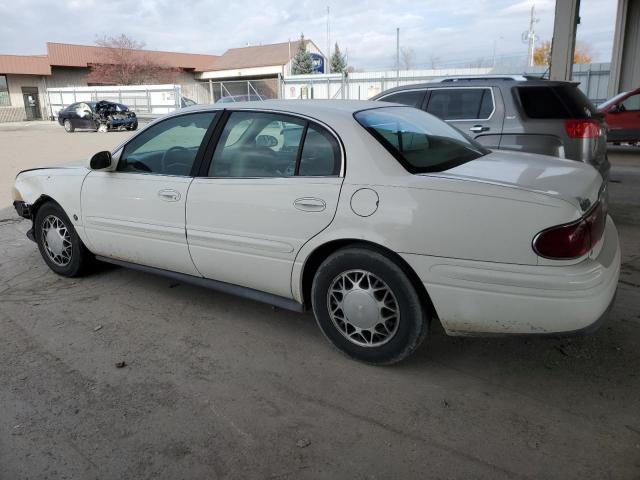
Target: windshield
611	101
418	140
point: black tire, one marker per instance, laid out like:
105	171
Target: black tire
68	126
133	126
412	321
80	259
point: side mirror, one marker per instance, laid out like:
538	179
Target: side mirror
100	160
266	141
614	109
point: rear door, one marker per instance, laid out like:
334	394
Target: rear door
476	111
272	183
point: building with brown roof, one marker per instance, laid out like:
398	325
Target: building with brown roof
259	61
25	78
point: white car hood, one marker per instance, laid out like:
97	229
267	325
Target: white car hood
573	181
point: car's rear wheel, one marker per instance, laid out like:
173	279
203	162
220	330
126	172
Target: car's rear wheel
367	306
58	242
68	126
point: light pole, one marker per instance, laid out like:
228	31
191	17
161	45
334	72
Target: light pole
397	56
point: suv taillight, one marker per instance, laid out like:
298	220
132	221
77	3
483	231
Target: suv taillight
583	128
573	240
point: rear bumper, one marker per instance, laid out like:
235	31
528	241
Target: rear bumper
480	298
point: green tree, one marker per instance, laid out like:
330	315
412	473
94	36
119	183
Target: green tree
302	61
338	61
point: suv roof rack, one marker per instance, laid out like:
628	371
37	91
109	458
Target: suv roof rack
518	78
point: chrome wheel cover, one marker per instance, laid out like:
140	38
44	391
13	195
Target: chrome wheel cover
67	125
103	128
363	308
56	241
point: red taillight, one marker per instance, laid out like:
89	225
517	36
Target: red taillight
585	128
574	240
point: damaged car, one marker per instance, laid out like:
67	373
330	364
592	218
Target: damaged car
100	116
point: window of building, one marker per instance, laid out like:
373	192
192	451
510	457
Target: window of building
5	101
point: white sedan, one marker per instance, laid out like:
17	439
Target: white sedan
380	218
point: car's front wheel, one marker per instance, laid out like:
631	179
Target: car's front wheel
68	126
367	306
133	126
58	242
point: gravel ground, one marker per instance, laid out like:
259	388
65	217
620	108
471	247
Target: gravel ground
221	387
43	143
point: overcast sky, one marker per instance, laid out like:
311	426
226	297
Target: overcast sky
448	32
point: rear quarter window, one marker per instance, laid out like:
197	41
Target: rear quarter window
411	98
419	141
551	102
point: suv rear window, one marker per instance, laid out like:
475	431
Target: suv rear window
559	101
419	141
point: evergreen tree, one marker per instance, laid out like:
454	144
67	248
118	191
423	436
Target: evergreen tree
338	61
302	61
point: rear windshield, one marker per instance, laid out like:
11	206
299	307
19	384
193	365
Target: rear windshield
419	141
558	101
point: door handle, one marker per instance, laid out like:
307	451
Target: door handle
310	204
169	195
479	128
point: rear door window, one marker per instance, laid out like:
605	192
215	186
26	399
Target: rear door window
411	98
557	101
461	103
264	144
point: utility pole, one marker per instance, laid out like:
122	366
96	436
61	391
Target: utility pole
529	36
327	68
397	56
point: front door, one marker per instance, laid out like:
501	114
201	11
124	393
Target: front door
624	120
137	212
31	103
272	184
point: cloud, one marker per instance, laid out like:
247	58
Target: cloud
455	31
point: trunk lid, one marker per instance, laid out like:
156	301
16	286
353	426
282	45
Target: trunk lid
572	181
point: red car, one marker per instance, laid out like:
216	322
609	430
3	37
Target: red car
622	114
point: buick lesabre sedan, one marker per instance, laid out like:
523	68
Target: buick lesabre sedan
379	217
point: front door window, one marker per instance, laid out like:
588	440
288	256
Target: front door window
167	148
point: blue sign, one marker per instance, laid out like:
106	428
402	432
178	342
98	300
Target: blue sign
318	63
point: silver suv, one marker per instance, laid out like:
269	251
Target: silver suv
515	113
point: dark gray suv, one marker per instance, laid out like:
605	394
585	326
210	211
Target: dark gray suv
515	113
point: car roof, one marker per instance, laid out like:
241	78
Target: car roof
461	82
302	107
336	114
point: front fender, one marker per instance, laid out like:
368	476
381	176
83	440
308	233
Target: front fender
62	185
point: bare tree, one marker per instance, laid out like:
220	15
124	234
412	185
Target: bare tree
124	62
407	55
